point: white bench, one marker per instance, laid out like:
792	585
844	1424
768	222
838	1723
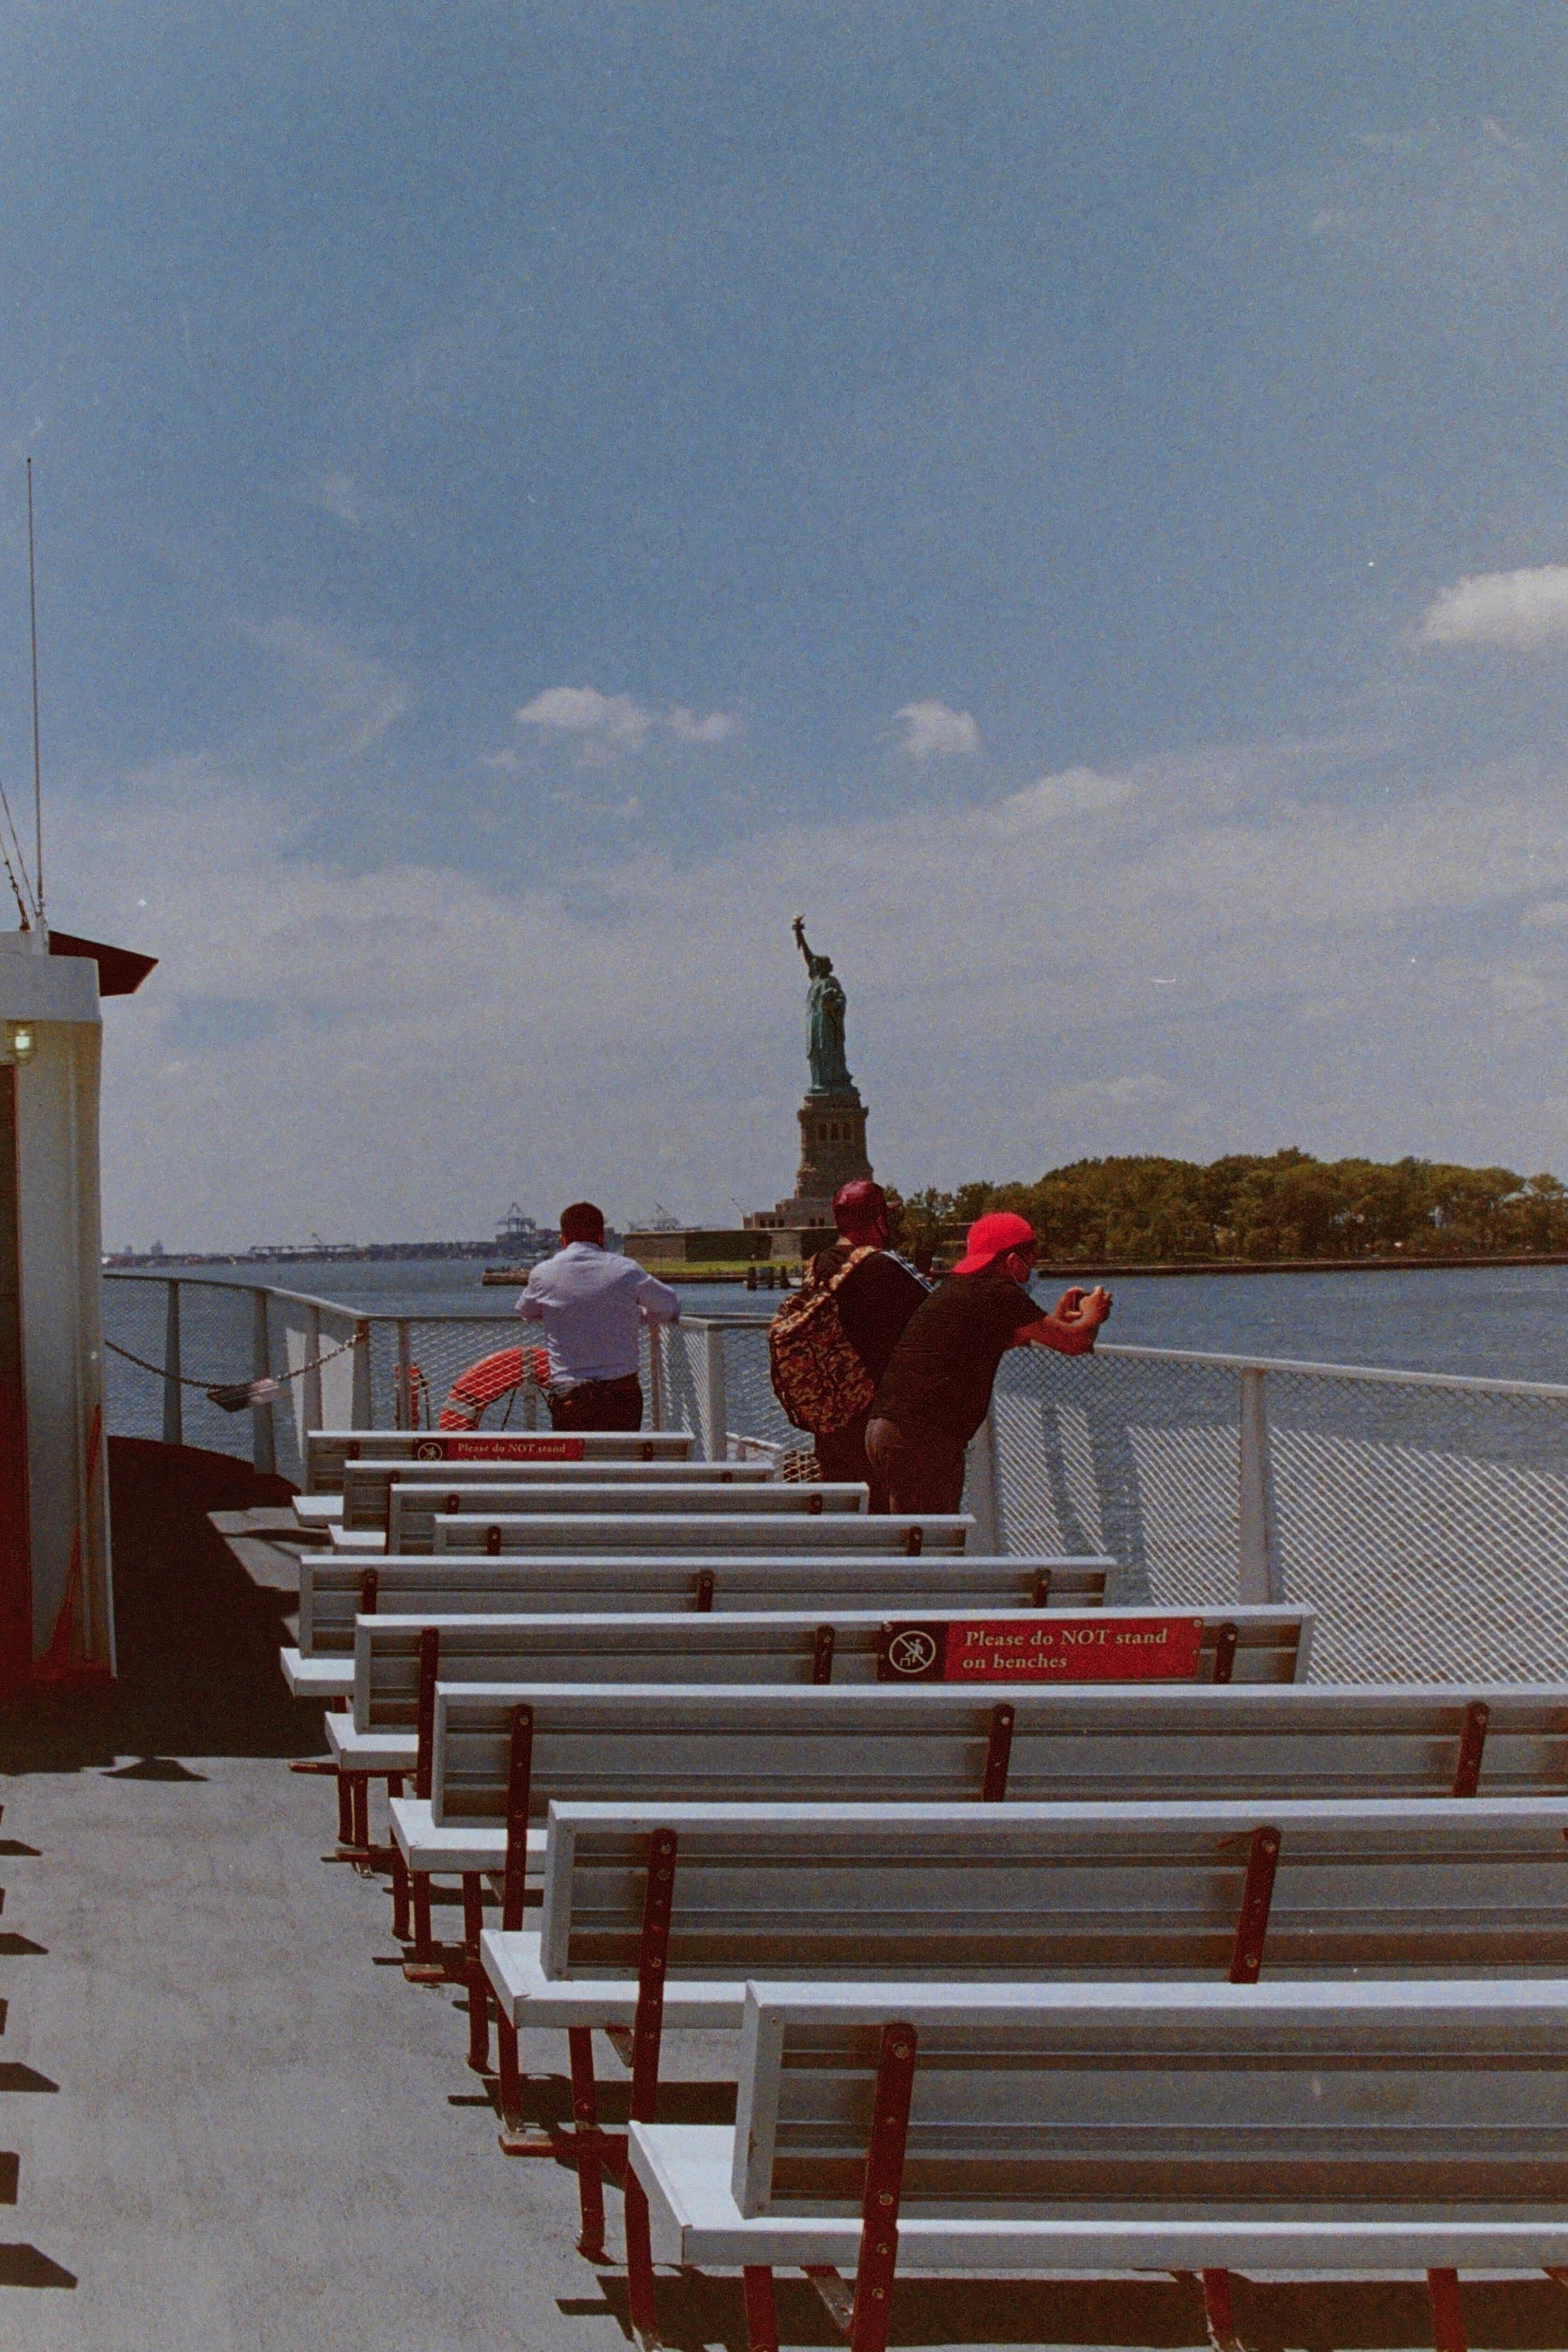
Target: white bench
414	1510
1301	2128
777	1530
326	1450
365	1502
655	1916
1088	1743
398	1659
334	1592
499	1752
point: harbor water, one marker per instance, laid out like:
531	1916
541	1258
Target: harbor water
1498	1323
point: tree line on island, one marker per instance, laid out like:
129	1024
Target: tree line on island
1150	1211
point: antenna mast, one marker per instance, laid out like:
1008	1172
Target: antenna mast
37	765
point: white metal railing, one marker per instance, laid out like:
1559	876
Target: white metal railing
1423	1514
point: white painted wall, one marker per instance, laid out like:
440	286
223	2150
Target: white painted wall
61	1257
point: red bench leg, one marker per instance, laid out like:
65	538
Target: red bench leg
1447	2315
884	2186
510	2074
399	1873
359	1801
639	2266
423	1942
345	1812
762	2317
586	2115
473	1970
1217	2314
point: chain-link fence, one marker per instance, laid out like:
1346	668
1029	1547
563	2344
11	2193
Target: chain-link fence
1425	1518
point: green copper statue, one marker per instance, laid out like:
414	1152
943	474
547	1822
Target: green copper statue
825	1031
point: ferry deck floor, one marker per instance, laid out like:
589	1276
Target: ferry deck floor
241	2130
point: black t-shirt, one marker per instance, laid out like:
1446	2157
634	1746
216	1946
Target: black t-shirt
874	1304
939	1378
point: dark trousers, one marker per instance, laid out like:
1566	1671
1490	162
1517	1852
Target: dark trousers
842	1455
923	1474
597	1404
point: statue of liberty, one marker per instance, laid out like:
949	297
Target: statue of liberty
824	1033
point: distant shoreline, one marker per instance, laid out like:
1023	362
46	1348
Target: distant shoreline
1076	1270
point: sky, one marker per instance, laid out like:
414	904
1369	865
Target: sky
1071	499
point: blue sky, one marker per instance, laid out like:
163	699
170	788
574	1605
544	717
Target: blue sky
1072	498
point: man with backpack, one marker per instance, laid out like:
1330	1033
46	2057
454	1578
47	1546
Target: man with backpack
830	1346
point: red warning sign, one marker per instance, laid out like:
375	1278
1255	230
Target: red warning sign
499	1449
1031	1650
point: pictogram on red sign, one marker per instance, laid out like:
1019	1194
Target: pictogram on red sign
499	1449
1026	1650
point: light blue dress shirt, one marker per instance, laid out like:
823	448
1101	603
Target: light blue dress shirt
591	1304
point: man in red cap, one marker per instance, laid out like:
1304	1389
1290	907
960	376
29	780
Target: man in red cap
875	1299
936	1390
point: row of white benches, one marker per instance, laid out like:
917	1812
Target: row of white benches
365	1505
335	1594
994	2010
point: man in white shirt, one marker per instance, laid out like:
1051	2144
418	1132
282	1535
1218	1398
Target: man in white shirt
591	1304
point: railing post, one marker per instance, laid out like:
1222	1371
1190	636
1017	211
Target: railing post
1259	1577
312	1377
403	1400
982	1486
263	1450
360	1409
174	1395
656	1375
715	1403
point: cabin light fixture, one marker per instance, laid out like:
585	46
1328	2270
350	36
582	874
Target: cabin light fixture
20	1040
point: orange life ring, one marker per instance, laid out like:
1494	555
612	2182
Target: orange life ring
492	1377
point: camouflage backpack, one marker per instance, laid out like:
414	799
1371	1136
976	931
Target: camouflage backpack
817	1377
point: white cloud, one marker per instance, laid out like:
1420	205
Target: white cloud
1076	794
618	721
337	494
340	702
1512	612
584	710
933	731
719	727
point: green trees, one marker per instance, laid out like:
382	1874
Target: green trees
1287	1205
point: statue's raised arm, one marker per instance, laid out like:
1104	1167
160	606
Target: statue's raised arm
798	926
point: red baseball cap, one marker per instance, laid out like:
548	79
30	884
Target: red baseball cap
991	1237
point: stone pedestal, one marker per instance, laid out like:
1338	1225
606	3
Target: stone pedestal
832	1152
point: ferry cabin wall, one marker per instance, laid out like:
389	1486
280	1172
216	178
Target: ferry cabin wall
56	1604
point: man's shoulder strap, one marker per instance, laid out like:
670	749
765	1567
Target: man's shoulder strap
857	1256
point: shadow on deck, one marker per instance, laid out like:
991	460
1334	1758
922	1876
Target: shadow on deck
197	1639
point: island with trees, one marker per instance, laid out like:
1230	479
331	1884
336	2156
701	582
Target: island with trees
1246	1209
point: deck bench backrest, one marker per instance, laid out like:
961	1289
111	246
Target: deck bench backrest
828	1644
1255	1742
1380	2101
910	1534
334	1592
1012	1891
326	1450
367	1485
412	1510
